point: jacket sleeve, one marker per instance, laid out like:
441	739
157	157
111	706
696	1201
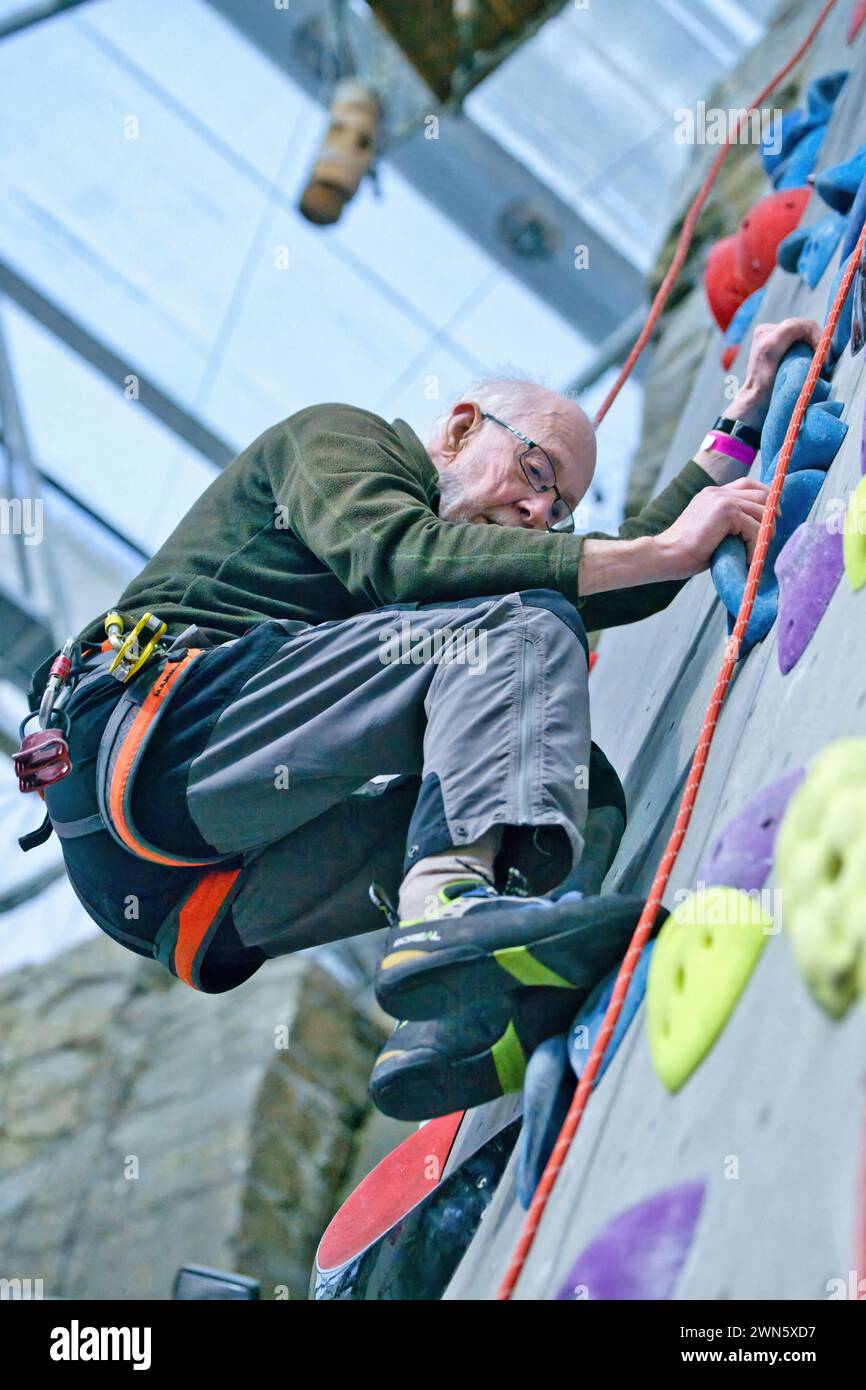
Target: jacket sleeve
355	499
617	606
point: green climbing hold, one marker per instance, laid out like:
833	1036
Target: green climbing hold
705	953
854	538
821	871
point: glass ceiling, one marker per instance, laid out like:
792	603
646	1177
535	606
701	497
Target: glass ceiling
150	163
620	69
168	247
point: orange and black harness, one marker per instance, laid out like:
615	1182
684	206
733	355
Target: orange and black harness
150	678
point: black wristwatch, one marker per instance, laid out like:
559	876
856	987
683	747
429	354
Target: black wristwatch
737	430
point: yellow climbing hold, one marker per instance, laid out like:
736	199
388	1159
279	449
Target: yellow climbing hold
705	953
854	537
821	872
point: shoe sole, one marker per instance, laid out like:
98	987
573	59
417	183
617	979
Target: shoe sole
463	976
423	1085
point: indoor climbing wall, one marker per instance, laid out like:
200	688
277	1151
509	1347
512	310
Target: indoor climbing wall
721	1153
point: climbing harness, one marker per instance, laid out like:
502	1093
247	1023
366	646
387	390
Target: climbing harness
43	757
149	674
732	651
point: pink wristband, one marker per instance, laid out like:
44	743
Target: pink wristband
724	444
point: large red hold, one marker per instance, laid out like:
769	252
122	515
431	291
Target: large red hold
762	229
724	286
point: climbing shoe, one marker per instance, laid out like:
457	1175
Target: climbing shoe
477	943
435	1067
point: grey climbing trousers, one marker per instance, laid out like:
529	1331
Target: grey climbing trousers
478	709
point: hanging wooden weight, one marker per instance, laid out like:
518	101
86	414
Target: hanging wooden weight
346	155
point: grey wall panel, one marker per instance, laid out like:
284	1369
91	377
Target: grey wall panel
783	1089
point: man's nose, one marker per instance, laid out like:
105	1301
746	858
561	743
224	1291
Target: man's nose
535	510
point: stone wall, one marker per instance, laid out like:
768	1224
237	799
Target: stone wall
143	1126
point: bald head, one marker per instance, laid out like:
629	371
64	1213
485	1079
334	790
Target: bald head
478	460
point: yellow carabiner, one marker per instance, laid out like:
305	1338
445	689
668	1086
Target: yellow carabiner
131	655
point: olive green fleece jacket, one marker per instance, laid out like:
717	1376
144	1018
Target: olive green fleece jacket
333	512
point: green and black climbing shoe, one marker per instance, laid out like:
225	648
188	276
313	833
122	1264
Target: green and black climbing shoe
477	943
454	1063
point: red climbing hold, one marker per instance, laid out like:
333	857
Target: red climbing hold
761	231
722	282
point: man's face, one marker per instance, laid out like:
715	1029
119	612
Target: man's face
480	476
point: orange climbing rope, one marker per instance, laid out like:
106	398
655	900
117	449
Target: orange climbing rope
691	219
732	651
648	916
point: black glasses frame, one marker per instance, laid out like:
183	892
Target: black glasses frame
567	523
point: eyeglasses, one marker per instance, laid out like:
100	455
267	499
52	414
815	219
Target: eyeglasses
858	317
538	470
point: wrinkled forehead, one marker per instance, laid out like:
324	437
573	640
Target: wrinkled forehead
566	434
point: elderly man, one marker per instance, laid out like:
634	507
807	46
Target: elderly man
343	603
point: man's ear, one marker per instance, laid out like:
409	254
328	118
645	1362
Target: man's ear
462	417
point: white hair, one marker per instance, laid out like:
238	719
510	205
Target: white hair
509	395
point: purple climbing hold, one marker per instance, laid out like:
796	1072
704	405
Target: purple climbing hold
808	569
639	1254
742	854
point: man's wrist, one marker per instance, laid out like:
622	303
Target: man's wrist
615	564
748	407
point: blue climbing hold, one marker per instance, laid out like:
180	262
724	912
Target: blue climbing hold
818	441
791	247
808	251
547	1092
795	170
549	1084
587	1025
843	327
742	320
838	185
796	127
730	569
790	379
856	218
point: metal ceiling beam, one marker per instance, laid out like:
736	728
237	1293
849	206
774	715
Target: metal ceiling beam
473	181
114	368
35	14
16	444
